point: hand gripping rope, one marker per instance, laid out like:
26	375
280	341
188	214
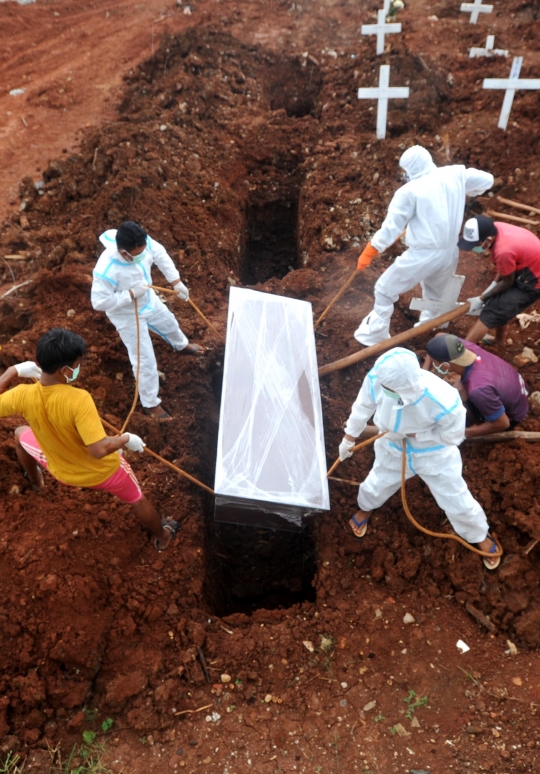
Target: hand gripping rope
411	518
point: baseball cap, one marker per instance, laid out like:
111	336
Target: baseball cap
450	349
476	231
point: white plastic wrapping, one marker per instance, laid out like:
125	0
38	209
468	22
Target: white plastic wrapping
271	441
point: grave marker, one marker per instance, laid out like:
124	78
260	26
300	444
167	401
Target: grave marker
381	28
382	94
511	85
475	9
488	50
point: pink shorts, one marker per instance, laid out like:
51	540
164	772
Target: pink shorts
123	483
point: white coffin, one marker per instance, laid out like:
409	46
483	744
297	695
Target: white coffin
270	456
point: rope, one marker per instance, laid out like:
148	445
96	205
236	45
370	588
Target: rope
411	518
347	283
355	448
164	461
459	539
193	306
136	396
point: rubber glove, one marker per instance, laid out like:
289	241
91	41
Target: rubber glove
138	290
28	370
476	305
181	291
345	449
365	258
134	443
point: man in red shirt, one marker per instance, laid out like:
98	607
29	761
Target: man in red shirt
515	252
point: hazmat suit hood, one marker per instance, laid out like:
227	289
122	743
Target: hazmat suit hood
417	162
399	371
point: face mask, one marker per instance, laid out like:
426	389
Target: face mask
390	394
405	177
440	371
74	373
478	249
139	258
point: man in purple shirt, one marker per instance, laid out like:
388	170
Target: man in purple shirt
488	384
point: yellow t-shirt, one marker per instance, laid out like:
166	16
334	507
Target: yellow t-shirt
65	421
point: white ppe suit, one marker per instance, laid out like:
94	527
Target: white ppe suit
430	206
431	410
113	276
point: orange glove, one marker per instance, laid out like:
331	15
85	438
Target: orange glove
364	260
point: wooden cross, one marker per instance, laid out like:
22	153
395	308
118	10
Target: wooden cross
511	85
382	94
488	50
380	29
475	9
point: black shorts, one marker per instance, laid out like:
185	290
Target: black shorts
502	308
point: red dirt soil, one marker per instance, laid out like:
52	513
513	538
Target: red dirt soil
244	112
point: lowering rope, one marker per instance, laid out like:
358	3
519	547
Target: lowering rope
136	396
164	461
494	555
193	306
134	404
347	284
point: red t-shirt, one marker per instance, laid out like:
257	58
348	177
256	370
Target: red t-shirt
515	249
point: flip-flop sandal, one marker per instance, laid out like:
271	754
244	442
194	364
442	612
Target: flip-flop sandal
489	340
492	550
360	525
163	417
192	349
172	526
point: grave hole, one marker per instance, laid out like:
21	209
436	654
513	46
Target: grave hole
271	246
249	568
294	87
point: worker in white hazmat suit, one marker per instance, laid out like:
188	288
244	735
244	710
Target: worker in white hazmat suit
413	405
121	276
430	207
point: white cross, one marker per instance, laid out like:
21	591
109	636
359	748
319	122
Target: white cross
475	9
488	50
386	6
382	94
511	84
380	29
448	301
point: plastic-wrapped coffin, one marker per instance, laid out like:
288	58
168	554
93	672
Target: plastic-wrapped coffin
271	463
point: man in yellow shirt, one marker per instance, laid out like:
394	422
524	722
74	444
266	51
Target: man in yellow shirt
65	435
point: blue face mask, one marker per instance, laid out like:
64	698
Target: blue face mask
390	394
74	373
440	371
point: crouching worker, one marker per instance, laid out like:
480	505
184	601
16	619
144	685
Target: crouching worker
65	435
493	392
413	405
122	275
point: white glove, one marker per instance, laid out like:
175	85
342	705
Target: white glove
490	287
138	290
476	305
345	449
181	291
28	370
134	443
